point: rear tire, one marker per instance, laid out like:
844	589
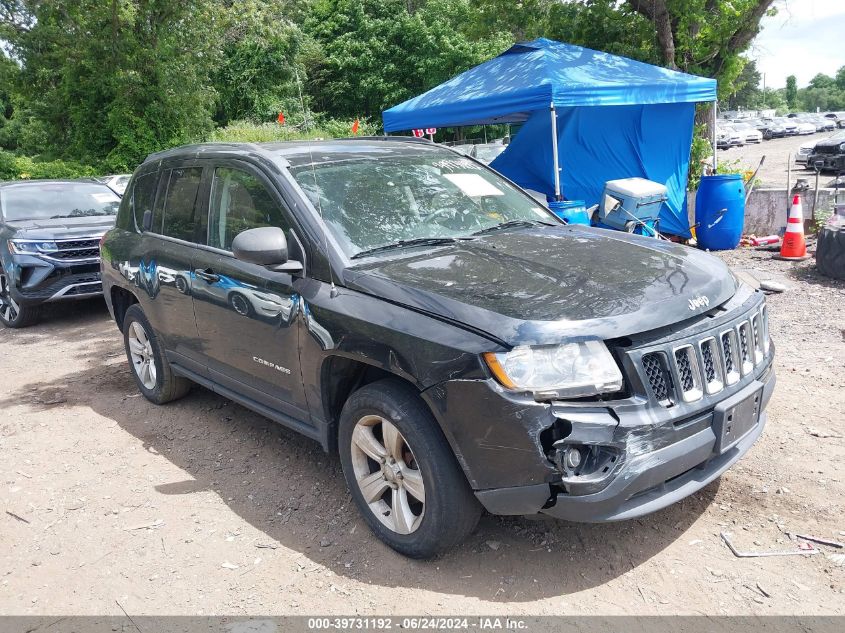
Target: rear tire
12	314
147	361
418	500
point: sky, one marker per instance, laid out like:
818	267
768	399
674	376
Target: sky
805	38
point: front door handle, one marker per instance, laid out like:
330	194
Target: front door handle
207	275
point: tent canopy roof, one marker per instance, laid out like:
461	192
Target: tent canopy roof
531	75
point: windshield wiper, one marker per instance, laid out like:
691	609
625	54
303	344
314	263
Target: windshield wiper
511	224
417	241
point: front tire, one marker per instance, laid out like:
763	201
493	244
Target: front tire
402	473
13	314
240	304
149	366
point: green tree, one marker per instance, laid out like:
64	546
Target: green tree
113	80
840	78
824	93
8	78
822	81
704	37
791	93
371	54
260	70
747	93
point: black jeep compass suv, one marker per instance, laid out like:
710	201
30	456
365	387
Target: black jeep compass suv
50	234
458	345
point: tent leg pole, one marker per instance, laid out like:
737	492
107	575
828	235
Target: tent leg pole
715	161
554	152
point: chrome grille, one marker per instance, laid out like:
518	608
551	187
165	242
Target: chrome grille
688	372
684	369
713	371
757	328
764	318
658	378
727	352
708	364
730	356
709	367
75	250
747	363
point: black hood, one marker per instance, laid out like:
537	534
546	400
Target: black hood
543	285
61	228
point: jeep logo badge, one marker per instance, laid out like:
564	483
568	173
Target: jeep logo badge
699	302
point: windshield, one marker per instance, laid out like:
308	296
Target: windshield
42	201
369	203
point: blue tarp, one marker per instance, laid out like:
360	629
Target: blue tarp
638	120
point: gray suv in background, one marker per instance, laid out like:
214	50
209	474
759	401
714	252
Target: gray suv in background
459	346
50	234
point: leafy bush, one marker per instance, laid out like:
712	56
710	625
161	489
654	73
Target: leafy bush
294	129
13	167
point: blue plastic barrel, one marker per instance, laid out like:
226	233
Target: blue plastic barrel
720	211
570	211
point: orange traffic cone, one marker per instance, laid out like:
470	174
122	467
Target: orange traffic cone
794	247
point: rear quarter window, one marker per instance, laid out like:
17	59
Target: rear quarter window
143	195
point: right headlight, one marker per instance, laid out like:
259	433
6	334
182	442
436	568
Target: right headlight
27	247
570	370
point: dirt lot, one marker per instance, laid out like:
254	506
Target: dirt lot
202	507
776	151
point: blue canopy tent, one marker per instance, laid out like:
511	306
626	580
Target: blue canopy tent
607	117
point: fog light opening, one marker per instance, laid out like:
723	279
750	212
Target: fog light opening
583	461
572	458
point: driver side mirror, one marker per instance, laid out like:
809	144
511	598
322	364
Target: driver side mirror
266	246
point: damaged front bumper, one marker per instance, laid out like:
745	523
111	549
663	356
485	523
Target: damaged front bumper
621	459
656	479
646	479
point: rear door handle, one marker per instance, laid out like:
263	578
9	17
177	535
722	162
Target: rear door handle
207	275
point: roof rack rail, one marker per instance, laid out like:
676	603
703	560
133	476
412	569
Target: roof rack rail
197	148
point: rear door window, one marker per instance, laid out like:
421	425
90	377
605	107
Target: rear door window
176	212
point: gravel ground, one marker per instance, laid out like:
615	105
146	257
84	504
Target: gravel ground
202	507
776	151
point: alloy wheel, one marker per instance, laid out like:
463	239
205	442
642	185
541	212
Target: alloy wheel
8	306
387	474
239	304
141	353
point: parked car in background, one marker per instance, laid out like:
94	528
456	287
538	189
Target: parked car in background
487	152
732	136
824	124
821	124
804	126
769	128
790	126
50	234
752	134
458	345
838	117
804	152
829	154
116	182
